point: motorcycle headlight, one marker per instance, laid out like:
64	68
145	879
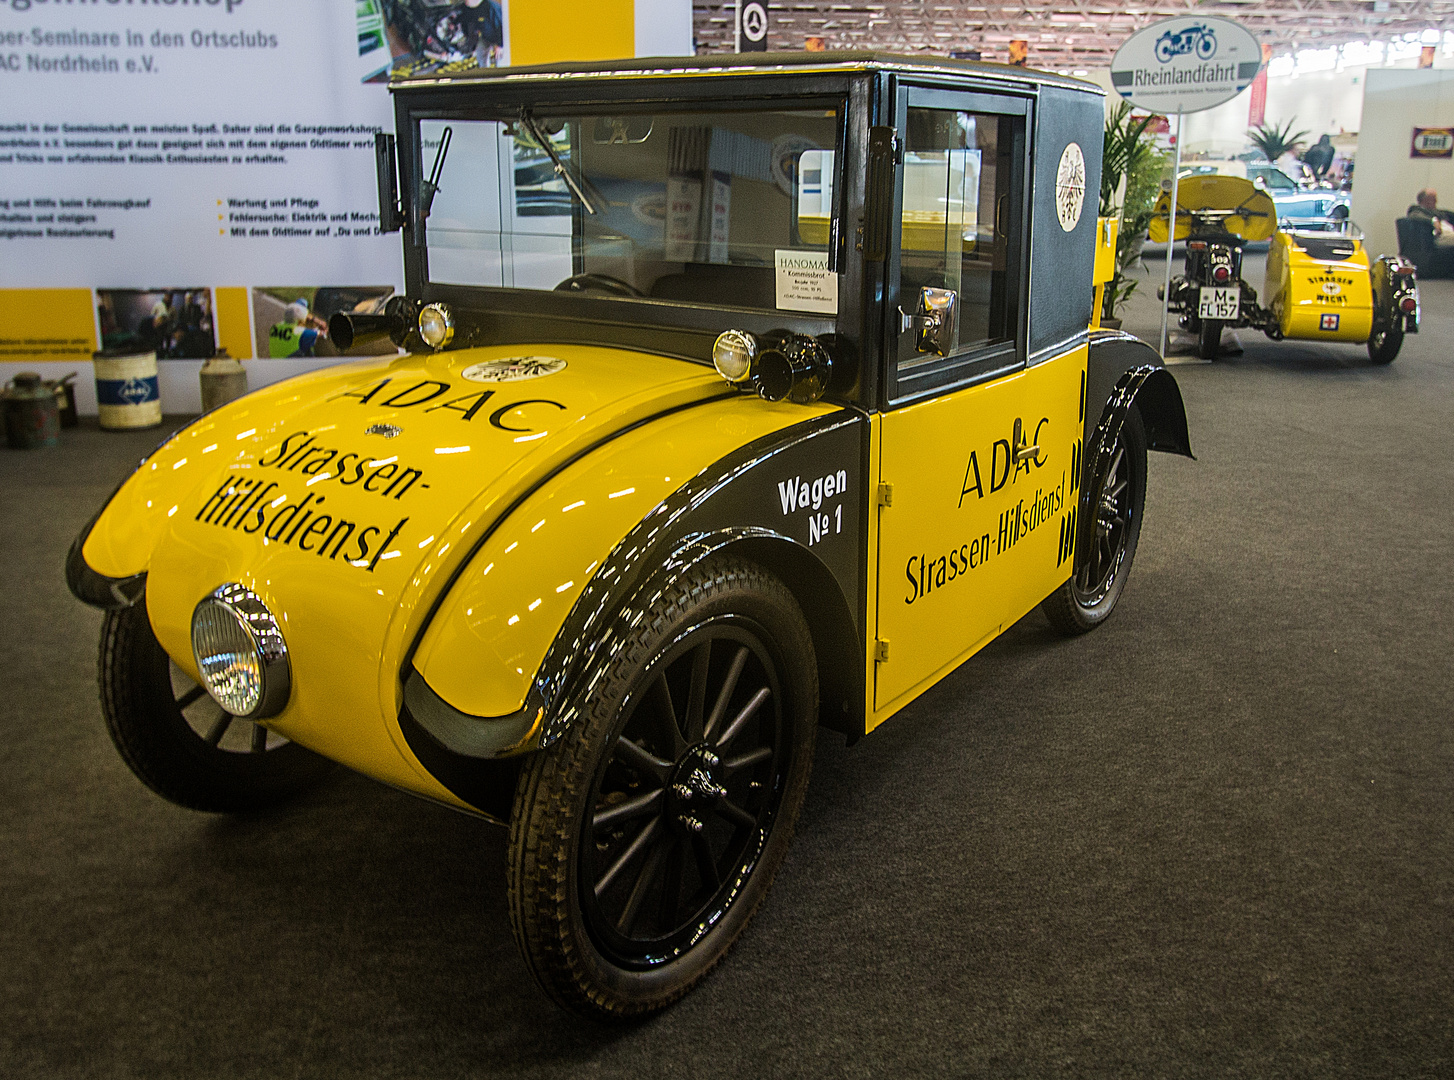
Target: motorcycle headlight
240	653
436	325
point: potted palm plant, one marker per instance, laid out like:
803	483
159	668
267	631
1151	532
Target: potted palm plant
1275	141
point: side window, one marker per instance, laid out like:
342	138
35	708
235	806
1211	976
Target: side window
958	195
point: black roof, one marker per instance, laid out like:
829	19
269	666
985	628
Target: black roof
779	63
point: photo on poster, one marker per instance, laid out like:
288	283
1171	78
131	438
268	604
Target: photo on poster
414	36
175	323
291	321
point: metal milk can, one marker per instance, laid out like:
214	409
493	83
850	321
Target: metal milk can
223	379
32	419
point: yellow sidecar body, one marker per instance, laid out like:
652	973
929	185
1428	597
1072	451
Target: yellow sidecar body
1319	286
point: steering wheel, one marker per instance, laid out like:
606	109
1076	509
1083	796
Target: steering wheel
599	283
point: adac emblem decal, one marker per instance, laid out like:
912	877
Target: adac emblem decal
1070	186
388	431
513	369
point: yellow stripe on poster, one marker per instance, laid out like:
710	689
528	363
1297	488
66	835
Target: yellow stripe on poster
46	324
234	328
543	32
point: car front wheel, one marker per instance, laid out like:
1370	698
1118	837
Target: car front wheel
178	740
646	837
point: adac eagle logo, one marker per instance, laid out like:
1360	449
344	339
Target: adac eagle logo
513	369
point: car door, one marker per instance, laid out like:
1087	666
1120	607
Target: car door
970	490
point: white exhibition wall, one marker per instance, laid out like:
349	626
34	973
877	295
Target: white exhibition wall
1388	177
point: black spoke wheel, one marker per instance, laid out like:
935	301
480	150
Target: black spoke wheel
687	795
1118	493
1384	343
643	841
178	740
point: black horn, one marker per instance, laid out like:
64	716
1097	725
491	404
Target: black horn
346	329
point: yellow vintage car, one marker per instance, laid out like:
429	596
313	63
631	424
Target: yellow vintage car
698	441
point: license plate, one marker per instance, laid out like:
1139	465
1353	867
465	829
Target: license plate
1219	303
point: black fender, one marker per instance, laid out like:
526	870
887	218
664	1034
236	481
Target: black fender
1115	354
1123	372
740	504
1393	279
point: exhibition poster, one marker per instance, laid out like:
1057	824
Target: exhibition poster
196	175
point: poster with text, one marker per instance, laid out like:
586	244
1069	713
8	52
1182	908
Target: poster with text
154	155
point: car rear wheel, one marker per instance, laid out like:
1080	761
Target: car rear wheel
1384	344
1119	495
645	838
178	740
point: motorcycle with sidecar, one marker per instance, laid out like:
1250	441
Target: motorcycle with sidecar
1321	283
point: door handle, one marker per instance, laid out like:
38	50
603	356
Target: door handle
1023	453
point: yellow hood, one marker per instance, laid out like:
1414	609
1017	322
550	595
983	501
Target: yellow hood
394	448
344	498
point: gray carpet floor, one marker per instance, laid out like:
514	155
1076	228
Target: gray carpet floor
1214	838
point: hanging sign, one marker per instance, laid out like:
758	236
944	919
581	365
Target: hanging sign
1186	64
1432	142
752	26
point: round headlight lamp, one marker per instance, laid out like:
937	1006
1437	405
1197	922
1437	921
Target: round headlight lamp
733	355
436	325
240	653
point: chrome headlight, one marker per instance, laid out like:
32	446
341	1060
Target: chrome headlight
436	325
733	354
240	653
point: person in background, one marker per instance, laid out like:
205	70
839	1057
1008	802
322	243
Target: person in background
297	334
1319	157
1426	207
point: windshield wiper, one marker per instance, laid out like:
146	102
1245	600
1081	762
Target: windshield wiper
430	187
528	123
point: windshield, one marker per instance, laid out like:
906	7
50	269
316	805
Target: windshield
724	208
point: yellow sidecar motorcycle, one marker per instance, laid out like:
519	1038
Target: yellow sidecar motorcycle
1320	286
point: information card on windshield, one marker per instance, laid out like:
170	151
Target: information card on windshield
804	282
